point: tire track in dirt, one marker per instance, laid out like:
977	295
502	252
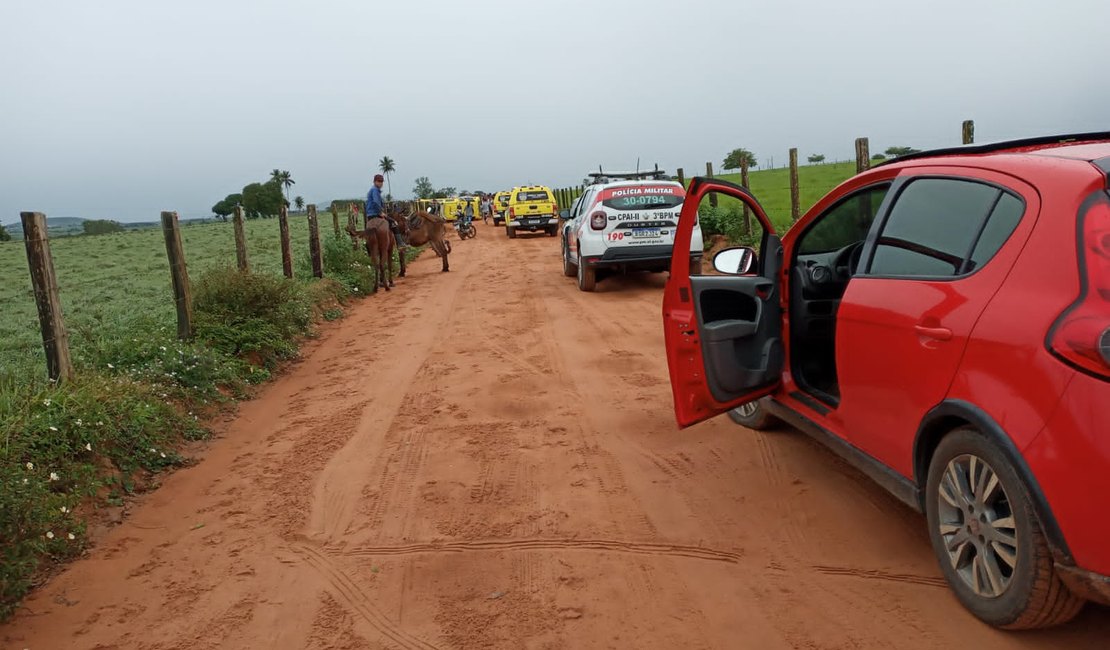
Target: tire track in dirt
348	592
572	544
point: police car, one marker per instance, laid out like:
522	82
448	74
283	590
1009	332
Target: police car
624	222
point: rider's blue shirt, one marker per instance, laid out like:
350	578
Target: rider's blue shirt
374	202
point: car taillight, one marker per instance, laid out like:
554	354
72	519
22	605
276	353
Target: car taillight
1081	335
512	213
597	221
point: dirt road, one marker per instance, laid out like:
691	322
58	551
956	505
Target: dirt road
487	458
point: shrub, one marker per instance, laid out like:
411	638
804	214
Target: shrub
253	316
727	221
62	446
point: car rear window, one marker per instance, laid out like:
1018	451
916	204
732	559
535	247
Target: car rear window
642	197
936	223
503	200
532	196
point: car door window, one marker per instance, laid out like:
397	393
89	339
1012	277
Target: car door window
934	225
844	224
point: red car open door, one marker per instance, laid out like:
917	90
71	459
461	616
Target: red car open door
723	332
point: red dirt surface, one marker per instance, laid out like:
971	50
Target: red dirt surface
487	459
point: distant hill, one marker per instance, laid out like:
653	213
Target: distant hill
68	226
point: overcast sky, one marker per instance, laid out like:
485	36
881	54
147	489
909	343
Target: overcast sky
119	109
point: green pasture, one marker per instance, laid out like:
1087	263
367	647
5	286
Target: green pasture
108	281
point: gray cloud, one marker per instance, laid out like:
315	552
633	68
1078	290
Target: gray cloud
124	108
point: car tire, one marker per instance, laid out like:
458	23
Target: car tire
569	269
1001	534
587	277
754	416
511	232
551	232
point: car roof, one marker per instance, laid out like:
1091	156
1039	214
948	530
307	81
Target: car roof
1090	147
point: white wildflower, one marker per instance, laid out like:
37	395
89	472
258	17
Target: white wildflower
64	509
54	476
153	450
88	446
49	534
46	402
25	481
71	536
30	466
54	429
162	348
163	454
111	367
99	423
80	423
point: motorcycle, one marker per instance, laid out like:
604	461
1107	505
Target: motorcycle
464	225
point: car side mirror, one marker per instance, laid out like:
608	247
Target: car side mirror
564	214
735	261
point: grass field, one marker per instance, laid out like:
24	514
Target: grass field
772	187
106	281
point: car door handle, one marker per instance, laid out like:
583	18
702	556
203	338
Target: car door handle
938	333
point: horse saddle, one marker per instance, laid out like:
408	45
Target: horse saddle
415	222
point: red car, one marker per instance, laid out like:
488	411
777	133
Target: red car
942	322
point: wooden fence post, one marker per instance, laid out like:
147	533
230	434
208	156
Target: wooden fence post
314	243
240	241
969	131
863	155
286	251
55	340
795	211
179	275
709	173
744	182
681	177
335	219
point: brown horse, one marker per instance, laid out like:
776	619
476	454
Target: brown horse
379	246
421	228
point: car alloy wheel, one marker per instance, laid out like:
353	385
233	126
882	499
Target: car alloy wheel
977	524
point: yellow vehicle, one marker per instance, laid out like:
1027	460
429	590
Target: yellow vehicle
452	207
500	207
532	208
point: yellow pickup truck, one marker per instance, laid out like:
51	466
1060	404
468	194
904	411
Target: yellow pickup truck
532	208
500	206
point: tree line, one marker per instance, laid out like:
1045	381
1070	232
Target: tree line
735	158
263	199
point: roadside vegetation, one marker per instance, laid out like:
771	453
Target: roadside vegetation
69	451
772	188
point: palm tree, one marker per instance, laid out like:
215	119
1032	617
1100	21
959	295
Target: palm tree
299	202
286	179
387	166
283	178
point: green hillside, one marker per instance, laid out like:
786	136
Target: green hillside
772	187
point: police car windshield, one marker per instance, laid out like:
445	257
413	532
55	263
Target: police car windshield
531	196
642	197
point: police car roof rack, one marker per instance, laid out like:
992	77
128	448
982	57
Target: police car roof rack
601	176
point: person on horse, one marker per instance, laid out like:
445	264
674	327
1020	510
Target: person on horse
375	207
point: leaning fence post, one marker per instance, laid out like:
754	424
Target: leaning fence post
709	173
794	207
863	155
314	243
335	219
240	240
286	252
969	131
179	275
55	340
681	177
744	182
